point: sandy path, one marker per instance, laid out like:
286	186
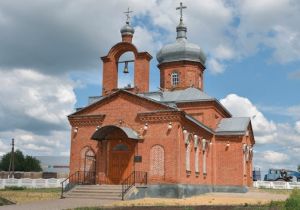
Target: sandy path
211	199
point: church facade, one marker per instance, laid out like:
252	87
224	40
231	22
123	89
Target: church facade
177	137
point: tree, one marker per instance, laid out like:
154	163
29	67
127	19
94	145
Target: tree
22	163
299	168
19	160
32	164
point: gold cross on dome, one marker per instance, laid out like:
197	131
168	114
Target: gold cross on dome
181	7
128	14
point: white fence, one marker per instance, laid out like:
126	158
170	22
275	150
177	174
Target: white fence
276	185
30	183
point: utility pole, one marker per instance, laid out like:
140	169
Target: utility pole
11	169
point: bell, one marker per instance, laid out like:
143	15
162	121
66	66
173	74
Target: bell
125	71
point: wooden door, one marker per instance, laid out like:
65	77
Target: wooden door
120	163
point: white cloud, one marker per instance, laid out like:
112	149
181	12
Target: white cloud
215	66
4	148
34	111
65	35
285	43
265	131
294	111
278	144
54	143
291	111
144	40
297	126
223	52
225	30
32	95
275	157
269	23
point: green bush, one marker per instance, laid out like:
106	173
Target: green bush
293	202
15	188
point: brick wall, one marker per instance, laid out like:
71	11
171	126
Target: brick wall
224	164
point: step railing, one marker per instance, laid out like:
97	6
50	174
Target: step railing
77	178
136	177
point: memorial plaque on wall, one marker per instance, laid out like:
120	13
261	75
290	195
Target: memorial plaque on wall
137	158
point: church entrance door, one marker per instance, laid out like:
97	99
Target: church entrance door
120	161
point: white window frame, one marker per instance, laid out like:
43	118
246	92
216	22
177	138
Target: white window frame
175	78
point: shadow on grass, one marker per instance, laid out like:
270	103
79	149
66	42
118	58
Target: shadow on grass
4	201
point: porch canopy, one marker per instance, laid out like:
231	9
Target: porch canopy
104	132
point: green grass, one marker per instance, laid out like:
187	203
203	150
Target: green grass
275	191
293	202
24	195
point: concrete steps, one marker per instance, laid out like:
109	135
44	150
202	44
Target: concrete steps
102	192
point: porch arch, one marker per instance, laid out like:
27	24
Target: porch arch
103	133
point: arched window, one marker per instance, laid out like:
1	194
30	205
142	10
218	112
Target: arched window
175	78
157	161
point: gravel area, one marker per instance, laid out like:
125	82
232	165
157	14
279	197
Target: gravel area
206	201
250	198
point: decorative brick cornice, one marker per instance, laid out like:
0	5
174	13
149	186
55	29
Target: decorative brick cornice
159	116
85	120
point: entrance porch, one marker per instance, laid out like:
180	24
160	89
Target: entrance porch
114	161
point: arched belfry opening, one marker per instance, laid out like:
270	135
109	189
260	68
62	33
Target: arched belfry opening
126	70
124	65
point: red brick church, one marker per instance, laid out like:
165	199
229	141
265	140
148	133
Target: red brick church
178	139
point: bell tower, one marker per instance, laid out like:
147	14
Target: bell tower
111	61
182	63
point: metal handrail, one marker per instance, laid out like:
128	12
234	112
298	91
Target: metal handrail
64	181
79	177
134	178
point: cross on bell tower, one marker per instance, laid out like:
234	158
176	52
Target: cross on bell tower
127	30
181	7
181	28
128	15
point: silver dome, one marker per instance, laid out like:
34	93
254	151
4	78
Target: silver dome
127	29
181	49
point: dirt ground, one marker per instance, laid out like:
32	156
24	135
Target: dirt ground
253	197
48	199
187	208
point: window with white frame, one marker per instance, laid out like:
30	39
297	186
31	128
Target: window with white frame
175	78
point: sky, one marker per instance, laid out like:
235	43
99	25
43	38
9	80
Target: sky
50	64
